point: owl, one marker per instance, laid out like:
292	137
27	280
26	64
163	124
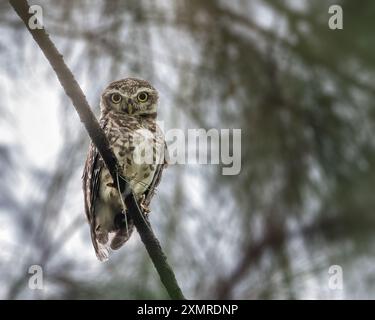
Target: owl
128	118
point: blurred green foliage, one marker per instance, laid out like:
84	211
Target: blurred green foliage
303	96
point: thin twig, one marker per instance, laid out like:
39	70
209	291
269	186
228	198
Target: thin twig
75	93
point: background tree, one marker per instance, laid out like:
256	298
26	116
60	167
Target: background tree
302	95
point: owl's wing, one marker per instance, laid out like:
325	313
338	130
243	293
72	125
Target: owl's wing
91	183
90	177
150	192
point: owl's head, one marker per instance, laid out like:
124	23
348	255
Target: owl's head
132	96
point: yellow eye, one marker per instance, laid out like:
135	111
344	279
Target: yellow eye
142	96
116	98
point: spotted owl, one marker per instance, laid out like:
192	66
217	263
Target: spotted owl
128	118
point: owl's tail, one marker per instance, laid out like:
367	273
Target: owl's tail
122	235
104	240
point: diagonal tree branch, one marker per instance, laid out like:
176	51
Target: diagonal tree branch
75	93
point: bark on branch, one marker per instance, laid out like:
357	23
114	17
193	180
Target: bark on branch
75	93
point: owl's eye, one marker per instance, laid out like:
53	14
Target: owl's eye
142	96
116	98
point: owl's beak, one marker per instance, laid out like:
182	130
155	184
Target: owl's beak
130	106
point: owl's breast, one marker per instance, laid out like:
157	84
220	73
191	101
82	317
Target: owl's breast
138	151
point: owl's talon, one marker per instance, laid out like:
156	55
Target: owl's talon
146	208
